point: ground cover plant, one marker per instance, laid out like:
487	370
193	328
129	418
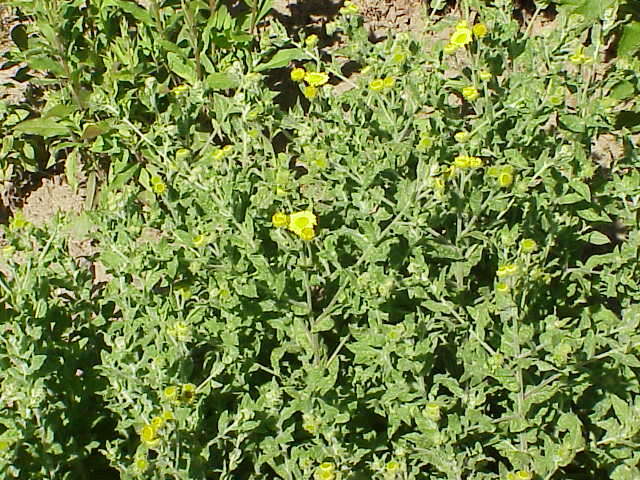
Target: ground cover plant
311	255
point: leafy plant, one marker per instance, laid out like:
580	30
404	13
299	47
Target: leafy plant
429	272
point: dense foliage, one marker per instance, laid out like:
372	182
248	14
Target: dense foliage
314	256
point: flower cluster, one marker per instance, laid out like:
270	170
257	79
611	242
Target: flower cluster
221	153
313	80
349	8
180	90
465	161
379	84
463	35
157	185
301	223
184	394
507	270
470	93
149	431
325	471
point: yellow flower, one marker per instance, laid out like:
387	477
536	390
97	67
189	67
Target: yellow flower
484	75
520	475
157	423
505	179
398	56
462	137
18	221
507	270
349	8
167	415
432	411
392	467
579	57
461	161
388	82
475	162
148	435
316	79
450	48
470	93
298	221
327	467
307	233
502	287
310	92
297	74
182	154
480	30
311	41
528	245
322	475
425	143
199	240
140	464
180	90
461	37
157	185
280	219
179	330
170	393
221	153
188	392
325	471
376	85
556	99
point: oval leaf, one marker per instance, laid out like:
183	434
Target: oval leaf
45	127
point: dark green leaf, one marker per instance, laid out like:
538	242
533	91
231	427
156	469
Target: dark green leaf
19	37
283	58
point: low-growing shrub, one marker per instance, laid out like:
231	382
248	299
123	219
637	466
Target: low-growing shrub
424	269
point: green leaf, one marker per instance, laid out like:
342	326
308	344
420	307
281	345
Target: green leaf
590	215
622	90
134	10
222	81
45	127
582	189
183	67
436	306
43	63
19	37
72	169
596	238
324	325
629	40
572	122
589	9
569	198
283	58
